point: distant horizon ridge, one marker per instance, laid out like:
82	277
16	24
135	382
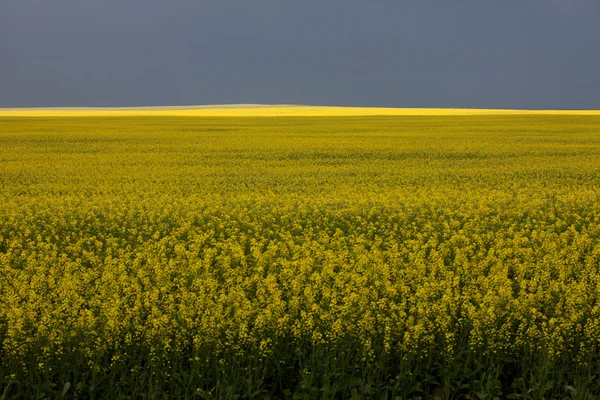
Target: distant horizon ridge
269	110
263	105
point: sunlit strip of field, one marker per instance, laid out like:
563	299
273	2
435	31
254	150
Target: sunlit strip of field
271	111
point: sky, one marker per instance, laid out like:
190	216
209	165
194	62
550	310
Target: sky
524	54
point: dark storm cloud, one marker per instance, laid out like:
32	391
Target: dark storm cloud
569	8
508	54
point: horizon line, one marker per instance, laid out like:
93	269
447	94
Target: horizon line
272	110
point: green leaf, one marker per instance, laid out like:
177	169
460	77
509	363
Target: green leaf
571	389
65	388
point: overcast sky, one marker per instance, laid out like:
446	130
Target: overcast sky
401	53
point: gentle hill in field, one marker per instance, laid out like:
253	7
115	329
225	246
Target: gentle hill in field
266	110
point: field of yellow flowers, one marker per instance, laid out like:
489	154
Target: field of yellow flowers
373	257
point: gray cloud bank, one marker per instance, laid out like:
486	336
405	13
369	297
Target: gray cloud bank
501	54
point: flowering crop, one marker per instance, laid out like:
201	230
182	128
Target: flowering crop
326	257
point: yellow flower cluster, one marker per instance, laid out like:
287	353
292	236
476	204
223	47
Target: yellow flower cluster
206	236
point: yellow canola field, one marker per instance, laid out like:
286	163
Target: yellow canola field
411	254
272	111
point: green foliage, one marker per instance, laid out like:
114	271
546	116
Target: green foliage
375	257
